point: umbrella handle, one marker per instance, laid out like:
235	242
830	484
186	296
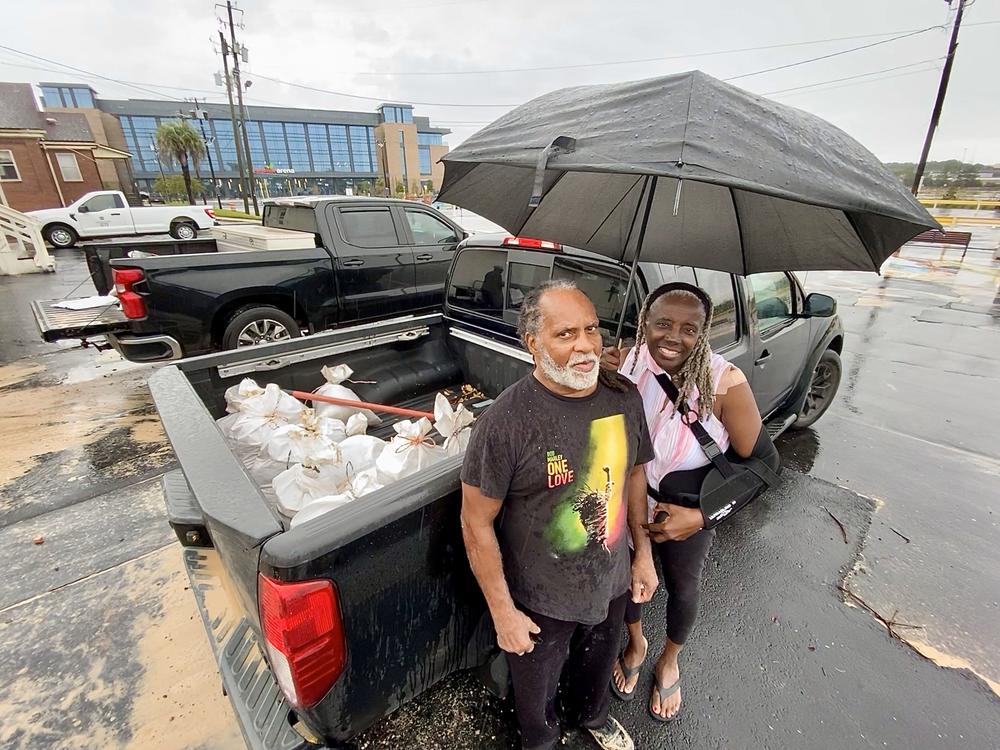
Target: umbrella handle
638	251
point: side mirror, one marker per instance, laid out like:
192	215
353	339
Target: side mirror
820	306
83	210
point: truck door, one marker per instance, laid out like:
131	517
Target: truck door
781	338
434	242
373	264
729	334
102	215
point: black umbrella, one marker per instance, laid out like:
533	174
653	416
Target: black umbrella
689	170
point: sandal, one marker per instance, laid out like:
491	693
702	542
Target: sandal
628	673
663	693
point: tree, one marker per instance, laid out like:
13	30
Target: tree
173	188
178	142
379	186
400	188
363	188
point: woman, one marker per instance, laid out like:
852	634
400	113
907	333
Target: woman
673	337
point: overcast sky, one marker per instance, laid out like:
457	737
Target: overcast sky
376	49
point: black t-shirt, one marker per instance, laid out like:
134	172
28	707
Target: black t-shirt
560	465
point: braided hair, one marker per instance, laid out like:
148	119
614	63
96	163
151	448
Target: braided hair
696	373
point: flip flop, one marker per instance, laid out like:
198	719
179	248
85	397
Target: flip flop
663	693
628	672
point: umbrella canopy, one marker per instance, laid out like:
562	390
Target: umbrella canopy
685	169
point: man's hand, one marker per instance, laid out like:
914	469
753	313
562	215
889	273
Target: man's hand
611	358
514	631
681	523
644	581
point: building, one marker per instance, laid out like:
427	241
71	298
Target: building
292	151
49	159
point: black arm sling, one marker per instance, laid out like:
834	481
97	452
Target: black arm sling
729	482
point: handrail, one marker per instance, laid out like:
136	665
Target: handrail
22	248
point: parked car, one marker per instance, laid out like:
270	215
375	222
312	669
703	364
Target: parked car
149	198
106	213
324	629
364	259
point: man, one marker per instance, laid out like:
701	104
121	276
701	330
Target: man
560	452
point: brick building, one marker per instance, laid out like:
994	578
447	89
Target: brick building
49	159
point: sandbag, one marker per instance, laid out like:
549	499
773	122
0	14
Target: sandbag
408	452
299	485
312	441
237	394
320	506
358	451
453	425
333	388
261	415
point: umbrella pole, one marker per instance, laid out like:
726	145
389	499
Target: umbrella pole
638	252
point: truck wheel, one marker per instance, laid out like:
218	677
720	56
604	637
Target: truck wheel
183	230
822	389
60	235
259	324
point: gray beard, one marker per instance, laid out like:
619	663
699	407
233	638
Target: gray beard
567	376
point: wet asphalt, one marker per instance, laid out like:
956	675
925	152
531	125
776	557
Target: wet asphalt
103	646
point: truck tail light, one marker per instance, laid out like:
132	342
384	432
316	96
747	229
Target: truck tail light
304	637
210	212
133	305
530	243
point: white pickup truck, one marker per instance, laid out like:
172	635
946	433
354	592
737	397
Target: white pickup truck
106	213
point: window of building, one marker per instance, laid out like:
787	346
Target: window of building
68	167
8	168
274	145
719	287
51	97
103	203
368	227
605	287
224	139
319	146
523	278
772	293
424	152
477	282
429	230
341	151
83	98
361	150
430	139
257	155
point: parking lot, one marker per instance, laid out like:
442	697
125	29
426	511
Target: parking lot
104	647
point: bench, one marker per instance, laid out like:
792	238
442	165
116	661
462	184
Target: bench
941	237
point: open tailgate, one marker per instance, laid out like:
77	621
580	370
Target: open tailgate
55	323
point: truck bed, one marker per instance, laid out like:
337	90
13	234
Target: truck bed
411	608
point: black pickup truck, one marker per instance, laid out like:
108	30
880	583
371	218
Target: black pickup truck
323	629
373	258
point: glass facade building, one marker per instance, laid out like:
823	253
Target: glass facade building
55	95
292	151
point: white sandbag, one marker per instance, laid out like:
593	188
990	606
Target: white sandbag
333	388
365	482
299	485
226	423
312	441
318	507
237	394
359	451
452	425
408	452
263	469
261	415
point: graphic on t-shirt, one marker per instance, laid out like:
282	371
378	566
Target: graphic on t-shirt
593	508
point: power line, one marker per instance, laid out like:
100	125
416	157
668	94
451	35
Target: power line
849	78
857	83
832	54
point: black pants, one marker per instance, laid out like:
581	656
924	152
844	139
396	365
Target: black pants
683	563
584	656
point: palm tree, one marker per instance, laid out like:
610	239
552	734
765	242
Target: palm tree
178	141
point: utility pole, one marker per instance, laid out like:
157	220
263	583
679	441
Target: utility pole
244	187
199	115
942	90
239	93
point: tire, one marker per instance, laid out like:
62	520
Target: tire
60	235
823	386
183	230
259	324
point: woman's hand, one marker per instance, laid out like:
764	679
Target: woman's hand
613	356
680	523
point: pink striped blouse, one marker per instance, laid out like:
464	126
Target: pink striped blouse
674	445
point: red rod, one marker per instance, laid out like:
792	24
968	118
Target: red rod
304	396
